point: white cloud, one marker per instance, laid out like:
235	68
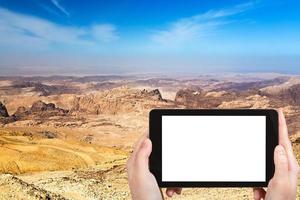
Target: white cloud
60	7
23	29
104	32
194	27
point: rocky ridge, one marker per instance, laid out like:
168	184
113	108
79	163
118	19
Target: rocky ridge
44	89
3	110
117	101
39	109
288	93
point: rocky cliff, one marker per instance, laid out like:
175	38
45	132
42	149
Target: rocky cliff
117	100
3	110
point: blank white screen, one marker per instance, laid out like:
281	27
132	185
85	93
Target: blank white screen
214	148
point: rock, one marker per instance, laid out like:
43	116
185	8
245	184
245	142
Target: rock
39	111
244	86
45	90
85	104
88	138
117	101
189	97
288	93
21	111
3	110
46	109
201	99
41	106
254	102
294	94
153	94
19	189
4	116
48	134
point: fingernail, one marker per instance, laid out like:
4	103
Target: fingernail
170	193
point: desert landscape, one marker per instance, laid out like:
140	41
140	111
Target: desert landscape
68	137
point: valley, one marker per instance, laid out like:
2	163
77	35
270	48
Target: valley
67	137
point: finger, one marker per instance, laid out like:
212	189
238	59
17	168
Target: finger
294	173
286	143
281	163
178	190
259	193
147	133
139	142
171	191
136	146
283	130
142	155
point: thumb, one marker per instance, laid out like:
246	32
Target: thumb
142	156
281	163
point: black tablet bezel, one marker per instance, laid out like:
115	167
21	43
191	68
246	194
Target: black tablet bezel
155	135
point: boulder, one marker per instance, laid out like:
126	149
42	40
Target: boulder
3	110
41	106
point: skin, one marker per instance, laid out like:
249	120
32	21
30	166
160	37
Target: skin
283	185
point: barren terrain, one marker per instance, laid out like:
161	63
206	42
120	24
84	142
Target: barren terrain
65	137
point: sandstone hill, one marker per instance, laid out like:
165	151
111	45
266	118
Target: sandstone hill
117	101
3	110
251	95
202	99
44	89
288	93
38	110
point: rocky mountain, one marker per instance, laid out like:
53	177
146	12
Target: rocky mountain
189	97
105	85
202	99
3	110
288	93
86	104
44	89
116	101
253	102
249	85
153	94
40	109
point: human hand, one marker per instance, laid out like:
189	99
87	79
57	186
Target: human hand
142	183
283	185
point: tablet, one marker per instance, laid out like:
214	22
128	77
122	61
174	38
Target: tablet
213	148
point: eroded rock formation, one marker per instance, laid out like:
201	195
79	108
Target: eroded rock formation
3	110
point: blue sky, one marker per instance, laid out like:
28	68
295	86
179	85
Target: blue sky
136	36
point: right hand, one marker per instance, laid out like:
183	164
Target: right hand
283	185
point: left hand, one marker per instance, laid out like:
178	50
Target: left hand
142	183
